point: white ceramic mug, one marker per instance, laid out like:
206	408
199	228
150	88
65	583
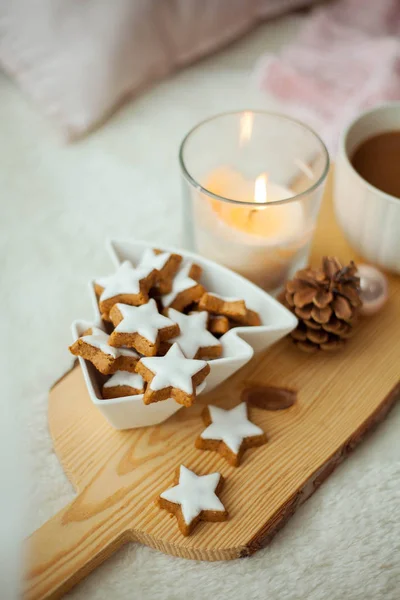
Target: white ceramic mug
369	218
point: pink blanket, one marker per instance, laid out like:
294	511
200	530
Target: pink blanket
80	59
346	58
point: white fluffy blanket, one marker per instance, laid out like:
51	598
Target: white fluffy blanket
58	203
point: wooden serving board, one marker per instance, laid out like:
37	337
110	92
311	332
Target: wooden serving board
118	474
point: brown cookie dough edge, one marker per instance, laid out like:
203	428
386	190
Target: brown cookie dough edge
205	515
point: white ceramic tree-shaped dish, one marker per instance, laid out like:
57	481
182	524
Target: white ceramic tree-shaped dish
239	344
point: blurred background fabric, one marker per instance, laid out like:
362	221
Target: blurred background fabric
346	58
80	60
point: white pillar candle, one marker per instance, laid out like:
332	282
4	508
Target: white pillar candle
261	243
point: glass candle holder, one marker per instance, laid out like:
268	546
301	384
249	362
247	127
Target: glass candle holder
252	185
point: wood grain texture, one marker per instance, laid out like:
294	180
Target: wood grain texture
118	474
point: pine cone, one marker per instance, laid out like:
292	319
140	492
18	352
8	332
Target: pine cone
326	302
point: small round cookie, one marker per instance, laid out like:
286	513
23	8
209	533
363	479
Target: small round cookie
123	384
185	288
172	376
194	498
229	432
127	285
166	263
141	327
194	339
94	347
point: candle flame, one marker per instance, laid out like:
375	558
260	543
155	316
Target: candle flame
246	127
260	188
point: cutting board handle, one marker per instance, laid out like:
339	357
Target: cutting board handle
66	548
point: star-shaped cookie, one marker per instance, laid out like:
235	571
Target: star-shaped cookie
172	376
218	324
94	347
194	498
141	327
229	432
166	263
122	384
127	285
194	339
185	288
219	305
234	308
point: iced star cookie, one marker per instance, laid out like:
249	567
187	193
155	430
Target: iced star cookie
127	285
166	264
94	347
172	376
229	432
218	324
219	305
122	384
194	339
141	327
185	288
194	498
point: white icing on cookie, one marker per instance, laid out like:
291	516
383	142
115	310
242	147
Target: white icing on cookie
124	267
144	320
125	280
194	493
194	333
150	260
173	369
99	339
133	380
180	283
230	426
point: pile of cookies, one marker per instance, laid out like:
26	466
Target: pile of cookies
161	326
